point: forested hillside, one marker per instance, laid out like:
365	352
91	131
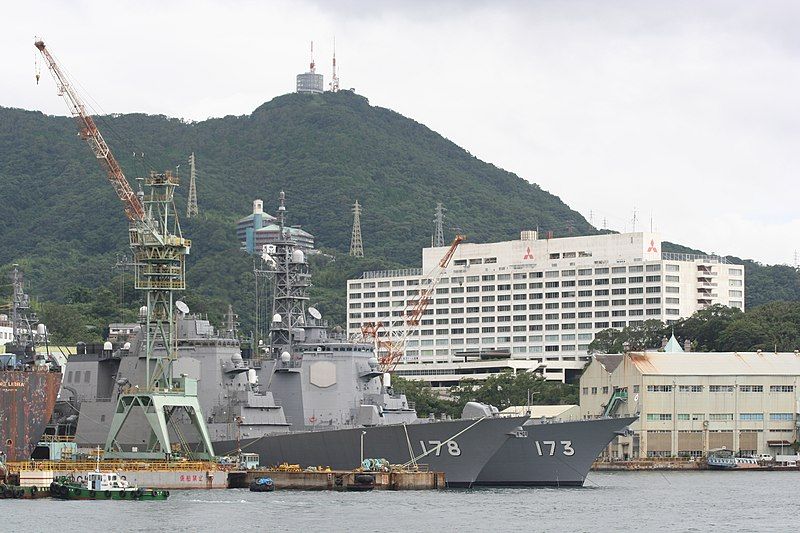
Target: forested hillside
62	222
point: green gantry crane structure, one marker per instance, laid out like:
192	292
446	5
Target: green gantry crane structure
159	251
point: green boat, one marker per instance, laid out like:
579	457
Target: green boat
102	486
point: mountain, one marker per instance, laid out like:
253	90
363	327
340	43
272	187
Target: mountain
64	224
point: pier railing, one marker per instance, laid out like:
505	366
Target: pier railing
90	466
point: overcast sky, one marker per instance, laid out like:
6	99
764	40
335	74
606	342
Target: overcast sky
684	111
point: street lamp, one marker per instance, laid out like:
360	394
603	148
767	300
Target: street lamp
362	446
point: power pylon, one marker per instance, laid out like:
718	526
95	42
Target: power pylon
191	206
356	245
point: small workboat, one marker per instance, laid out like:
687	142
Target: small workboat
102	486
721	459
262	484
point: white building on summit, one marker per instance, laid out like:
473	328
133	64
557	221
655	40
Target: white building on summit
542	299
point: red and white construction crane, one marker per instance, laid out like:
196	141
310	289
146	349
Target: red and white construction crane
88	131
390	350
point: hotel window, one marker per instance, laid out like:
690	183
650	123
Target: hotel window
674	279
672	268
652	279
735	282
584	271
653	268
734	271
618	270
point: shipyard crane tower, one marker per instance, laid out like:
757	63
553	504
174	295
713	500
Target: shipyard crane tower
159	251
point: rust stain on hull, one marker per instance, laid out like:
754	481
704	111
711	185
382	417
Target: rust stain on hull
27	400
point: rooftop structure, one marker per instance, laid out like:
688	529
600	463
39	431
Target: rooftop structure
542	299
310	82
690	403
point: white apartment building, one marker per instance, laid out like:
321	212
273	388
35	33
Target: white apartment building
541	299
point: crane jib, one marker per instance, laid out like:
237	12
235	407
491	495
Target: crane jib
134	210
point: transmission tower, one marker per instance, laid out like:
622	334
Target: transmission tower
356	246
191	206
438	232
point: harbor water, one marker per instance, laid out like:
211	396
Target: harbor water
610	501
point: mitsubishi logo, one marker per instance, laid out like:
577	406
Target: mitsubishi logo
652	247
528	254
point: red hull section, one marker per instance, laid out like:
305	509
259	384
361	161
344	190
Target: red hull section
27	400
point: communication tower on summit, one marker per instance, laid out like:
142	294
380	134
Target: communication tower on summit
310	82
335	79
356	246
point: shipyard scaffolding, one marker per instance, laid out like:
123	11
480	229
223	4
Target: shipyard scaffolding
159	251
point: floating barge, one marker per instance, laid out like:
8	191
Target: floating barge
169	475
296	479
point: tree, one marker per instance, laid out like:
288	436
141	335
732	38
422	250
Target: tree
506	389
425	401
639	337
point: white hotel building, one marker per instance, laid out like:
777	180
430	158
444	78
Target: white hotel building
541	300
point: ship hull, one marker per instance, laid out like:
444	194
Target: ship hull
27	400
551	454
472	443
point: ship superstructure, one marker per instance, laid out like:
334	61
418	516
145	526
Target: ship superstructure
29	379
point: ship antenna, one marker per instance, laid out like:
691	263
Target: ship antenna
282	213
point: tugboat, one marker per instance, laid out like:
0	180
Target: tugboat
102	486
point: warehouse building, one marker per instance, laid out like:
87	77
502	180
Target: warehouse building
690	403
541	299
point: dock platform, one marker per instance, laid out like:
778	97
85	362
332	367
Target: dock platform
337	479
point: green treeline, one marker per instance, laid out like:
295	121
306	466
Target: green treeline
771	327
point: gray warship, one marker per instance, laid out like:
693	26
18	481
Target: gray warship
316	398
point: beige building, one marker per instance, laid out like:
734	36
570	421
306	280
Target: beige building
689	403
